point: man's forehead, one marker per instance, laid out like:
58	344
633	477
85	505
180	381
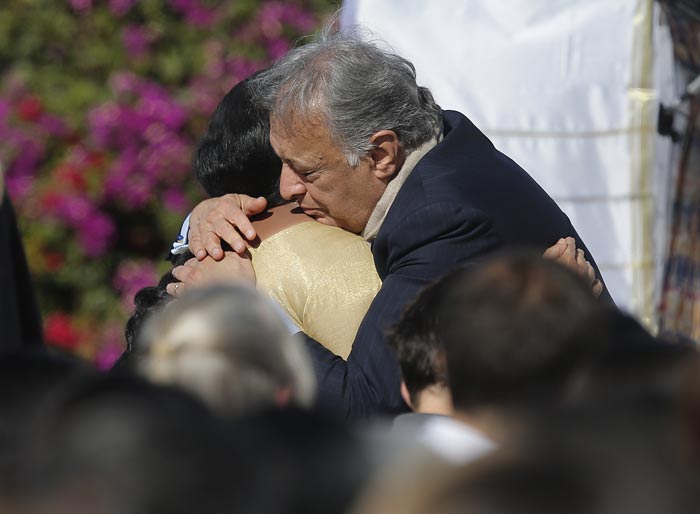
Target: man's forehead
292	126
302	138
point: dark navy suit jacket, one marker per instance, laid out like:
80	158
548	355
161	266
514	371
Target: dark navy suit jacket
463	201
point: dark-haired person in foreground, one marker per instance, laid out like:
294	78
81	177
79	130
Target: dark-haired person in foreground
424	379
514	332
519	333
420	351
365	148
122	444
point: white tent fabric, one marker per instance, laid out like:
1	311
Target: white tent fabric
570	90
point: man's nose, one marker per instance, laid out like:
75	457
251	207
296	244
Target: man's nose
291	185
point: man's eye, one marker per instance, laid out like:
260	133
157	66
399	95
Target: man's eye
308	173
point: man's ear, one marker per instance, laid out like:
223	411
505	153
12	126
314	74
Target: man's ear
386	155
405	395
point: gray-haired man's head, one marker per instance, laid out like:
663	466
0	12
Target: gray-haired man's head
345	113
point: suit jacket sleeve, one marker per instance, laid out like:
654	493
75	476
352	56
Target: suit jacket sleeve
418	249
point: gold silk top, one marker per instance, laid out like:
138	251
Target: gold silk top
324	277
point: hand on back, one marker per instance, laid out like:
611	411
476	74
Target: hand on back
223	218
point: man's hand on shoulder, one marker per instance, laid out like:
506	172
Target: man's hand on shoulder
233	268
223	218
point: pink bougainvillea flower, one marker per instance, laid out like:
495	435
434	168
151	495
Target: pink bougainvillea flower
195	13
270	18
19	187
277	47
123	82
74	209
241	67
126	181
136	40
121	7
298	18
201	17
94	229
95	234
101	122
4	111
175	200
132	276
157	105
29	152
53	125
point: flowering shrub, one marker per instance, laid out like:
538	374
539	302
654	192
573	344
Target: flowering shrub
101	104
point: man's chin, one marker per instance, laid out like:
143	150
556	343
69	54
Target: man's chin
325	220
328	221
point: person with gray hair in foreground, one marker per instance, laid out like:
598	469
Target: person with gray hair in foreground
363	147
228	346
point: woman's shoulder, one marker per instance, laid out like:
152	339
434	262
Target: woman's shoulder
278	219
311	252
288	226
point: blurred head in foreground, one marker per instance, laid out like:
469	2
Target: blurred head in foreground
227	345
589	468
517	330
119	444
500	335
421	354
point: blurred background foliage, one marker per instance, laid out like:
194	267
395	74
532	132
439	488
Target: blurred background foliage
101	104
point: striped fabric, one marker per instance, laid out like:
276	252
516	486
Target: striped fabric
680	305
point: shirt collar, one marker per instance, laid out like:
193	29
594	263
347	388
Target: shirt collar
180	245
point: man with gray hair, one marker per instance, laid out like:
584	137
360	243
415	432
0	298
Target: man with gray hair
363	147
